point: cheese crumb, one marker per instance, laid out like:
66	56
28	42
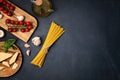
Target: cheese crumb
15	65
13	58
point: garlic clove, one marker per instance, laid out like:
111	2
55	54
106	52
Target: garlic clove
26	45
28	52
20	18
35	38
37	43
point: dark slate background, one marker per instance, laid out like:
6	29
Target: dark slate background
89	49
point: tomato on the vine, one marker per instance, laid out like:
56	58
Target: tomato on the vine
30	27
23	30
28	23
15	29
21	22
10	29
8	20
27	30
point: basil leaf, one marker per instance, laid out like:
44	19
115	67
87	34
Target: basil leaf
8	44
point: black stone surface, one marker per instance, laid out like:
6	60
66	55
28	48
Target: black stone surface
89	49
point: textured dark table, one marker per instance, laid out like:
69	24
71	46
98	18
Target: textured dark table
89	49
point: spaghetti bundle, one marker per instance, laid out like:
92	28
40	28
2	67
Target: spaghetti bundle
54	33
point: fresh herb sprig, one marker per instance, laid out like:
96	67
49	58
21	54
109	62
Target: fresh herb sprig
8	44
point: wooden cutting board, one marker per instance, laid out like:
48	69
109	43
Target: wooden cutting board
23	36
8	71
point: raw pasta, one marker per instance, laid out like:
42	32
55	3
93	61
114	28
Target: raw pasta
54	33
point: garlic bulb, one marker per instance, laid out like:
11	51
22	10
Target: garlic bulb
2	33
36	41
20	18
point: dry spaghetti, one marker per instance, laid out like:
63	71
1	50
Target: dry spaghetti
54	33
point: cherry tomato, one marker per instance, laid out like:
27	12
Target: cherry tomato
28	23
1	8
12	8
21	22
22	30
8	4
15	29
9	14
8	20
5	11
12	22
1	1
27	30
10	29
30	27
4	2
17	22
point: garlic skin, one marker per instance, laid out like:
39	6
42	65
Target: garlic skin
28	52
1	16
36	41
20	18
26	45
2	33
